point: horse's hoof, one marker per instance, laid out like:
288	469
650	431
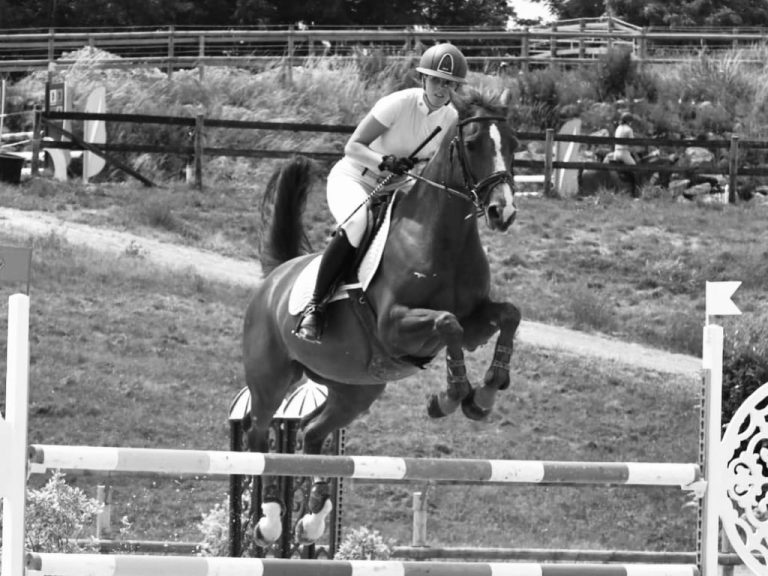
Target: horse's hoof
261	540
472	410
318	496
311	527
433	408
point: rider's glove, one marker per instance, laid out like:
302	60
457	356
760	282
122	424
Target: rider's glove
396	165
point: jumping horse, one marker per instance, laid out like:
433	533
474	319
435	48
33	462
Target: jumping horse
430	292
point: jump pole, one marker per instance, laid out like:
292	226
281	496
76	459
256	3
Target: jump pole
128	565
45	457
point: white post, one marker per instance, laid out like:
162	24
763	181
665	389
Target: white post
2	108
713	377
13	436
419	534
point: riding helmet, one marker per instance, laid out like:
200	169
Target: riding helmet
626	118
444	61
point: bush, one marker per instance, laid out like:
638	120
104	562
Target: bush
364	544
57	516
215	529
745	363
539	101
615	70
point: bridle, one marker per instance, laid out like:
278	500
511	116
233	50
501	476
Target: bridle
474	191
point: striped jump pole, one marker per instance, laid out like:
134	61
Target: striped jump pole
125	565
382	468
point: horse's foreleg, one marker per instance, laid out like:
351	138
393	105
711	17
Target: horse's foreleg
492	316
458	387
422	332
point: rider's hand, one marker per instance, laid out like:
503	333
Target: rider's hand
396	165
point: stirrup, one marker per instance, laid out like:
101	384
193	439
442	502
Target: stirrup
310	326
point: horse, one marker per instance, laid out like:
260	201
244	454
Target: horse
622	181
431	292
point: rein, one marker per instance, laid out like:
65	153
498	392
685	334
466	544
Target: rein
474	190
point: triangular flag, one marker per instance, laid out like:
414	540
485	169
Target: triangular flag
718	299
15	264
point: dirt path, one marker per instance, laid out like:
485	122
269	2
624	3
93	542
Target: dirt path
214	266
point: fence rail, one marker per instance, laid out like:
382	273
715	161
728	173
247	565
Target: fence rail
197	150
173	48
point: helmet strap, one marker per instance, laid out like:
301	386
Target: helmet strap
426	95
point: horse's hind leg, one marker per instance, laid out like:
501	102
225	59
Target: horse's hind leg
344	403
269	377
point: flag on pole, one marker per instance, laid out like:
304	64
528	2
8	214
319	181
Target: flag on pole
718	299
15	264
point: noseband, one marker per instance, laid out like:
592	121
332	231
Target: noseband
478	191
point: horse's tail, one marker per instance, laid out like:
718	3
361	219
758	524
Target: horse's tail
283	236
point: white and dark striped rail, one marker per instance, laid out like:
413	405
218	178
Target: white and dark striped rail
126	565
384	468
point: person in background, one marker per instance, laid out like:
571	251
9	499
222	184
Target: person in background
623	152
378	149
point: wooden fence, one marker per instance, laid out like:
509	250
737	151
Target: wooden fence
174	48
197	150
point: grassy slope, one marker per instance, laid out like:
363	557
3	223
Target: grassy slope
124	354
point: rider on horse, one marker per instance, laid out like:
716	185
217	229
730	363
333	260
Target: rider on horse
379	149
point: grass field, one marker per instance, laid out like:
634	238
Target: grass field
127	354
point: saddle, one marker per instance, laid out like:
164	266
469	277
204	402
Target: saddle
352	287
360	271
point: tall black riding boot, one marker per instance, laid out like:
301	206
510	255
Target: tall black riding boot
335	259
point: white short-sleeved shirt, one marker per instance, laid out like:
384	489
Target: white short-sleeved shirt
409	123
623	131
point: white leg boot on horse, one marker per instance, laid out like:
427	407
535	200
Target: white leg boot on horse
311	527
343	404
334	261
492	316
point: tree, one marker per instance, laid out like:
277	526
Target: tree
466	12
663	13
97	13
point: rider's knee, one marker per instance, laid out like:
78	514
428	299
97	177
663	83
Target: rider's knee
355	230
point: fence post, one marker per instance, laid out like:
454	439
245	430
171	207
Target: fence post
104	519
553	46
524	48
643	46
201	57
733	169
582	29
51	51
289	57
199	137
549	152
170	51
37	130
419	536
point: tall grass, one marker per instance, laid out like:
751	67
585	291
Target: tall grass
708	94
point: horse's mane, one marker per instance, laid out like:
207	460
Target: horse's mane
473	98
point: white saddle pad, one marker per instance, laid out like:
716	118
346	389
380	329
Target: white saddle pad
305	283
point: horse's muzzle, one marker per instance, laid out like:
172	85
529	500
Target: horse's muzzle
500	216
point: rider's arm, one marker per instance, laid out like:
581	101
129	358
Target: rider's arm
357	146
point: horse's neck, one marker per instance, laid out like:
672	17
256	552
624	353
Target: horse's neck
442	217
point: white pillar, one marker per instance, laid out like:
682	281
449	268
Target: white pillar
13	436
713	465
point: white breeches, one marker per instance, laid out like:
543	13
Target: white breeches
348	187
620	156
